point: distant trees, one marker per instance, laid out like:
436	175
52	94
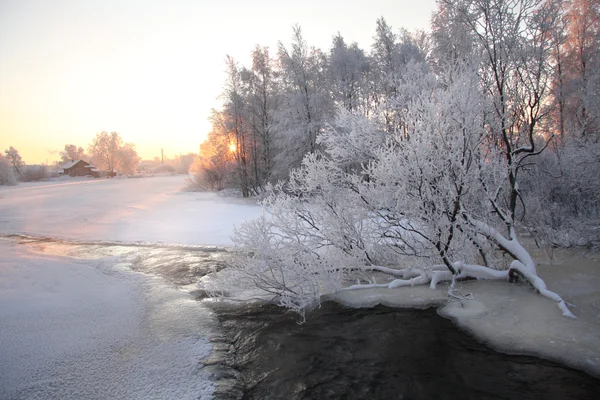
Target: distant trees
108	152
127	159
13	169
104	150
215	165
33	173
72	153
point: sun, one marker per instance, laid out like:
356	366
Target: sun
232	147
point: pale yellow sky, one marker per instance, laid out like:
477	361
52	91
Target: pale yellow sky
150	70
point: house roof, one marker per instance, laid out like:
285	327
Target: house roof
71	164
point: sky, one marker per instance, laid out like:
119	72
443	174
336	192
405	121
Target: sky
151	70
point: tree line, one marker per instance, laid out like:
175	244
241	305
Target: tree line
539	59
431	153
107	151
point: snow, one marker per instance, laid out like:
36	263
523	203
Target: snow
141	210
74	329
89	327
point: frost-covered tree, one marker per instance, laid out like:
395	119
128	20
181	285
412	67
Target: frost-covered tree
582	66
72	153
104	150
127	159
348	68
235	122
453	42
514	40
108	152
424	209
395	60
214	167
7	174
261	93
530	54
305	104
14	158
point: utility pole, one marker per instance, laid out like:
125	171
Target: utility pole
162	156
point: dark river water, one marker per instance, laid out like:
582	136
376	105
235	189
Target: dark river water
382	353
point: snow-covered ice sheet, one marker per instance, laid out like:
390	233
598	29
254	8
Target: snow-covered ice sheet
141	210
92	329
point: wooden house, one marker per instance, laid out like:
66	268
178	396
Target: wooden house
80	168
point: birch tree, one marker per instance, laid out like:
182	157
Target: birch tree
234	120
262	94
304	106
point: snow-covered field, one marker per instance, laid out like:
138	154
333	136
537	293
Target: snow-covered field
142	210
90	328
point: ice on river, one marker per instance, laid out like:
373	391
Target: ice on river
513	318
90	329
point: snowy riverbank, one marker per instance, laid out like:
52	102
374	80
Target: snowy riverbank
76	316
513	318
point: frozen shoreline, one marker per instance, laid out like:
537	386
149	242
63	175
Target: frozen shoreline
513	318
